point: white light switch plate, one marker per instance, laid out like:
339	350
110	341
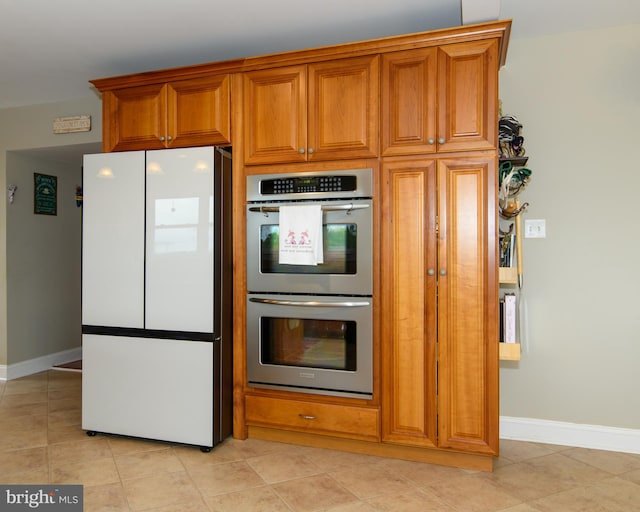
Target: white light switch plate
535	228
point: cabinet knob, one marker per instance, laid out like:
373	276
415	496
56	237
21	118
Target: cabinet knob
443	272
169	138
431	272
430	140
441	140
161	139
301	151
310	150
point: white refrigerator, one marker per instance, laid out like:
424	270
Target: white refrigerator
156	295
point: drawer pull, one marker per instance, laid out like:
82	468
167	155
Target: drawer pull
307	417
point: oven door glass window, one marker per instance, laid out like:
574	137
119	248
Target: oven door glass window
310	343
339	246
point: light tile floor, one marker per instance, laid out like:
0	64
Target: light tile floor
41	441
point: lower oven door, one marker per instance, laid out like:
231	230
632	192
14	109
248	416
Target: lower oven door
311	344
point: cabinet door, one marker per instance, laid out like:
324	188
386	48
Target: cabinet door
343	109
275	115
409	302
134	118
198	112
179	241
468	96
409	102
467	305
113	240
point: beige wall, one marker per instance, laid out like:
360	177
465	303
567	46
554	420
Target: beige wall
21	129
43	262
578	97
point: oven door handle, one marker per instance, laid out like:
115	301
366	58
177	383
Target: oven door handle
311	303
325	208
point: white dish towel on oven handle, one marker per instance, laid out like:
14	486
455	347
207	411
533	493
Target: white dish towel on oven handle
301	234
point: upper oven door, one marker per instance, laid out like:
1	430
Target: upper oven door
347	251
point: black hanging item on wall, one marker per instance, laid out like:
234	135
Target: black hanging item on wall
511	142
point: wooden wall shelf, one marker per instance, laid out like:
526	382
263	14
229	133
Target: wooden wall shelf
508	275
517	161
509	351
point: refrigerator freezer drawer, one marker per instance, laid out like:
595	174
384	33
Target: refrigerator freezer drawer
150	388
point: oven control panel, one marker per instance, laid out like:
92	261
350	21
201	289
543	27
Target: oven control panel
306	184
310	186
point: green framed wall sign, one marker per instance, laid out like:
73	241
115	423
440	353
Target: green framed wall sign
45	194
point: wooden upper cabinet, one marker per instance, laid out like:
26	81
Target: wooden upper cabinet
275	115
343	109
322	111
134	118
468	96
409	102
198	112
440	99
176	114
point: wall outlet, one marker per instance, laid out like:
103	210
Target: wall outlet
535	228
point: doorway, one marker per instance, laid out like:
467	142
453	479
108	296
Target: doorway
43	259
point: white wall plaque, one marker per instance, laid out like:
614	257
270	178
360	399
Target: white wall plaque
72	124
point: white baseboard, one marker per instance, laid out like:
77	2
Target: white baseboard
596	437
39	364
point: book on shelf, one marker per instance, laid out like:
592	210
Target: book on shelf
509	318
501	327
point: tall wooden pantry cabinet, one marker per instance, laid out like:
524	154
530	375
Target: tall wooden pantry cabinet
438	232
439	355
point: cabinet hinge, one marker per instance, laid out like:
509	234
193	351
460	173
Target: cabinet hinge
437	225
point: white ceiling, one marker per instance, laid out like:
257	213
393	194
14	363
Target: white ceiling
50	49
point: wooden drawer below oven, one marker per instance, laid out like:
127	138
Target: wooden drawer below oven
329	419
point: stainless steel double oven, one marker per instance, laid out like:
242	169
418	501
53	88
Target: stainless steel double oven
309	327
